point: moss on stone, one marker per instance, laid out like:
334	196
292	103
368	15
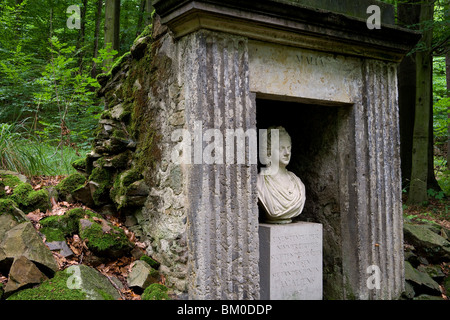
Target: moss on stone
155	291
121	160
121	185
79	164
53	234
151	262
38	200
7	206
118	63
29	200
10	180
20	194
103	178
71	183
131	176
67	224
103	243
51	289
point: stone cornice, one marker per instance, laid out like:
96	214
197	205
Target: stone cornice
287	24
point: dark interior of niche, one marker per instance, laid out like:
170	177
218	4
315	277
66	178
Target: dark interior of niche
314	133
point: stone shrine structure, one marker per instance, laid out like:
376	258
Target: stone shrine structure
216	67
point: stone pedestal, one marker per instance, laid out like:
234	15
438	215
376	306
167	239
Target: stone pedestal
291	261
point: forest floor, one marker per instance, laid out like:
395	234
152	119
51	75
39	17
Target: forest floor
119	268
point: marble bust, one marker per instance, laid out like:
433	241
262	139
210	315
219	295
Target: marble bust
281	194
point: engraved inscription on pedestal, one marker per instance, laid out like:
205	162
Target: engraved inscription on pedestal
291	261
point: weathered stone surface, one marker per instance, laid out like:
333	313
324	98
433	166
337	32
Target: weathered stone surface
23	273
93	283
61	247
142	275
84	195
23	240
428	243
421	281
10	219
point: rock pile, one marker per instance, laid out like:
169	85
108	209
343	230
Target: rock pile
427	253
27	253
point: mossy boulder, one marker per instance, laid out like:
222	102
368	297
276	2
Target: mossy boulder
78	282
29	200
103	238
11	178
57	228
427	242
68	185
155	291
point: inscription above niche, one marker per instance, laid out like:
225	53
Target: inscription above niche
299	73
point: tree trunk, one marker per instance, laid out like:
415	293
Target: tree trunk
141	17
408	17
447	76
81	34
148	9
421	137
112	26
98	16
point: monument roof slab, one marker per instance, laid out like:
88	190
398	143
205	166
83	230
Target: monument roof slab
316	25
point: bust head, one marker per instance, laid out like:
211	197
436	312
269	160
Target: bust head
283	152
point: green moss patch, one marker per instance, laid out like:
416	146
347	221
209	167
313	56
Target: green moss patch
7	206
56	228
29	200
52	289
10	180
155	291
79	164
103	178
111	243
71	183
153	263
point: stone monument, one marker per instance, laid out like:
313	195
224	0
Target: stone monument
221	65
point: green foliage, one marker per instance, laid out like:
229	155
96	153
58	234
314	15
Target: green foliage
441	98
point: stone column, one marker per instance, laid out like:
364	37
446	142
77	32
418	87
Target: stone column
222	200
376	238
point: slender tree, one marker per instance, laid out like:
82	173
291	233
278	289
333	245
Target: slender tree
112	25
98	20
421	137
